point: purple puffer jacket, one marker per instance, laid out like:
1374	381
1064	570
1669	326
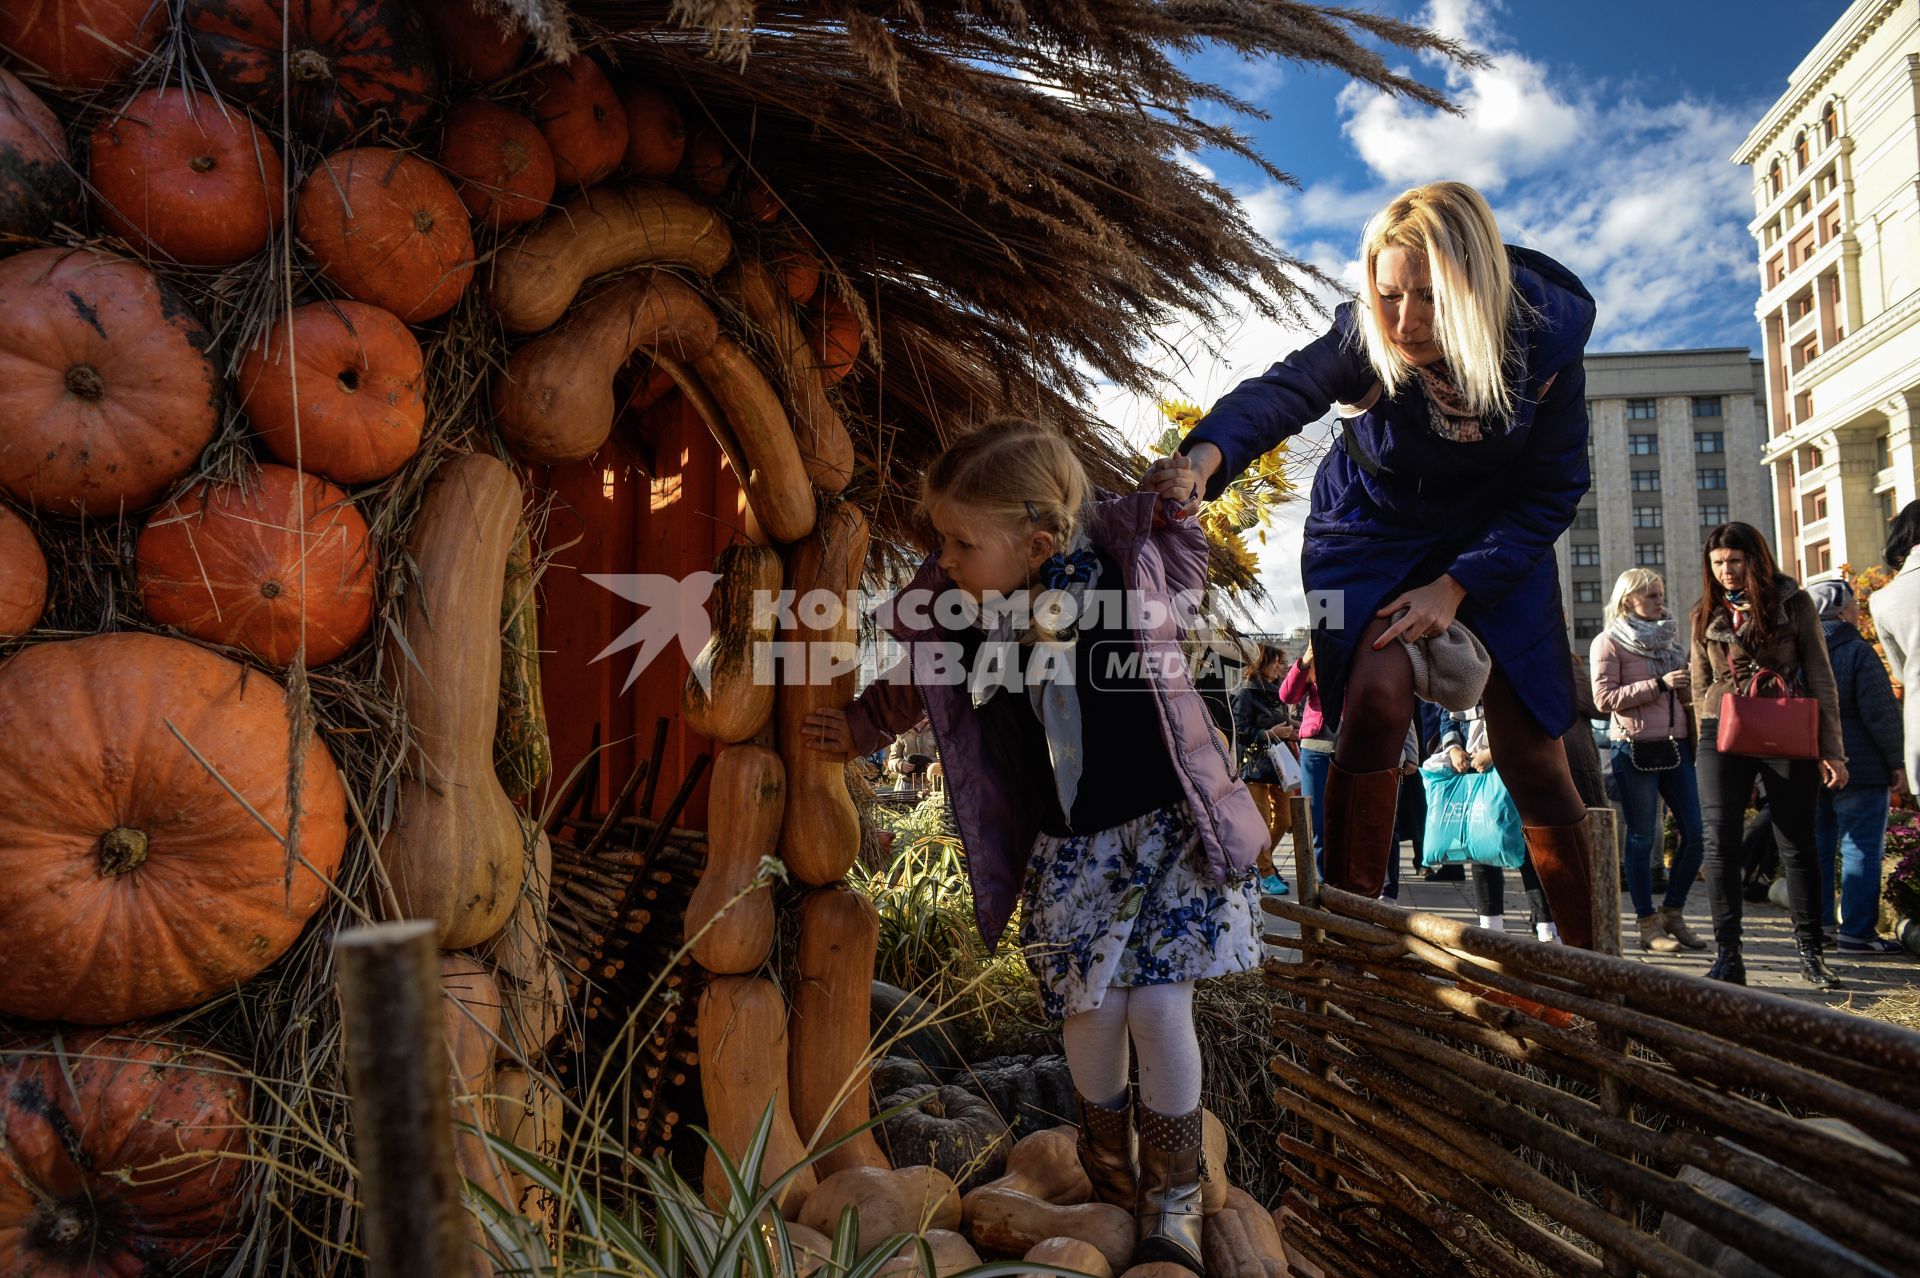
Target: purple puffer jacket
998	813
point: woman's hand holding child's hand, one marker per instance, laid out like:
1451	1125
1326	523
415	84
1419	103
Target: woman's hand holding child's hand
827	730
1172	478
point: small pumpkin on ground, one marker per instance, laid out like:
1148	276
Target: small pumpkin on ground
23	576
904	1201
951	1252
502	165
81	44
1031	1092
656	131
182	177
350	378
105	388
477	45
132	881
949	1128
119	1155
387	229
582	119
280	560
37	184
341	65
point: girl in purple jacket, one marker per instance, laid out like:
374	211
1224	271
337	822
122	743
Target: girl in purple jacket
1043	641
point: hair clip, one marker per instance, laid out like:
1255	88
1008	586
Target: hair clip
1033	514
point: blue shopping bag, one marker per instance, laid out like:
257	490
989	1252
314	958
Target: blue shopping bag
1471	818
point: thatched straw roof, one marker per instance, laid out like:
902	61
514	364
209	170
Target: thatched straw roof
1001	186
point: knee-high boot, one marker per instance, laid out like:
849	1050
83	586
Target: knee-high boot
1559	855
1360	827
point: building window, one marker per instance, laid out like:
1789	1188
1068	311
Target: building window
1774	182
1709	441
1800	152
1650	554
1829	124
1713	479
1641	410
1586	517
1882	452
1646	517
1712	516
1587	592
1886	506
1706	405
1586	556
1646	481
1813	507
1586	627
1643	445
1776	270
1819	558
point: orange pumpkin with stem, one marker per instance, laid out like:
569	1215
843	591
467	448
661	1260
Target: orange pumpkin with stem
184	178
582	119
23	576
119	1155
266	566
354	376
501	163
159	870
105	389
388	229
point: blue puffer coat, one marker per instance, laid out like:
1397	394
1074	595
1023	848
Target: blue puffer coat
1869	716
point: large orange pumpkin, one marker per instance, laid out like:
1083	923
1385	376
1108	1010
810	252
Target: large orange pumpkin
388	229
261	565
36	183
476	46
356	379
582	119
187	179
23	576
81	44
133	881
105	391
502	165
119	1155
346	64
656	131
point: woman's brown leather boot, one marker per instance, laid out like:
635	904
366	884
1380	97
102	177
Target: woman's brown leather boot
1359	833
1168	1220
1107	1150
1559	855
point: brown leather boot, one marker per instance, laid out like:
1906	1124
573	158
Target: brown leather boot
1360	827
1168	1220
1108	1152
1559	855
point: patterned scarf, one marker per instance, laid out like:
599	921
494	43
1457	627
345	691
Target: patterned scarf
1657	641
1050	675
1447	411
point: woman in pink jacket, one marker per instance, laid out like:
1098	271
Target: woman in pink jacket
1640	679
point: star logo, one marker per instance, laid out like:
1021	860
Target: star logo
671	607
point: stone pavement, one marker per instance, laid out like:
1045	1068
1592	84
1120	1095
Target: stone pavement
1768	944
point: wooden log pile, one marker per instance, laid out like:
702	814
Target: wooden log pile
1476	1102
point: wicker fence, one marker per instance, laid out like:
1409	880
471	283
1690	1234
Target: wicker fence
1471	1102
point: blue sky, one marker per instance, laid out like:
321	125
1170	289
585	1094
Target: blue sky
1600	134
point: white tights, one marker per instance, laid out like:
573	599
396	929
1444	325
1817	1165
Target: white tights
1159	1019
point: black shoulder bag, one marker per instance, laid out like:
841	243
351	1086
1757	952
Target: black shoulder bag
1656	756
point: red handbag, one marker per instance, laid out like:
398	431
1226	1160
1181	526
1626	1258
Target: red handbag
1769	727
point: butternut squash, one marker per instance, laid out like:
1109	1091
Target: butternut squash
729	920
831	1024
1070	1253
821	835
748	414
522	752
951	1254
742	1035
1002	1220
533	991
455	853
470	1004
729	691
826	450
529	1114
906	1201
1240	1243
604	228
1158	1269
1213	1163
1046	1165
555	403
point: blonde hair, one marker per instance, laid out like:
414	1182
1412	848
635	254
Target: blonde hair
1448	226
1630	583
1022	476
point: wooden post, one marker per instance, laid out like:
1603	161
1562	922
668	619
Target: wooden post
1603	861
412	1223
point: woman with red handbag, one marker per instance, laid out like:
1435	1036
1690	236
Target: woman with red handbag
1768	710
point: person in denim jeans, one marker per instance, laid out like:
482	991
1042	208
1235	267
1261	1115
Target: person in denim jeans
1850	824
1641	681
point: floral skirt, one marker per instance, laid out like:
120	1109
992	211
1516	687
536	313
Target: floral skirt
1134	905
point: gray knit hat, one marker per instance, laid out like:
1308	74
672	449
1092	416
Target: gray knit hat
1450	669
1830	596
